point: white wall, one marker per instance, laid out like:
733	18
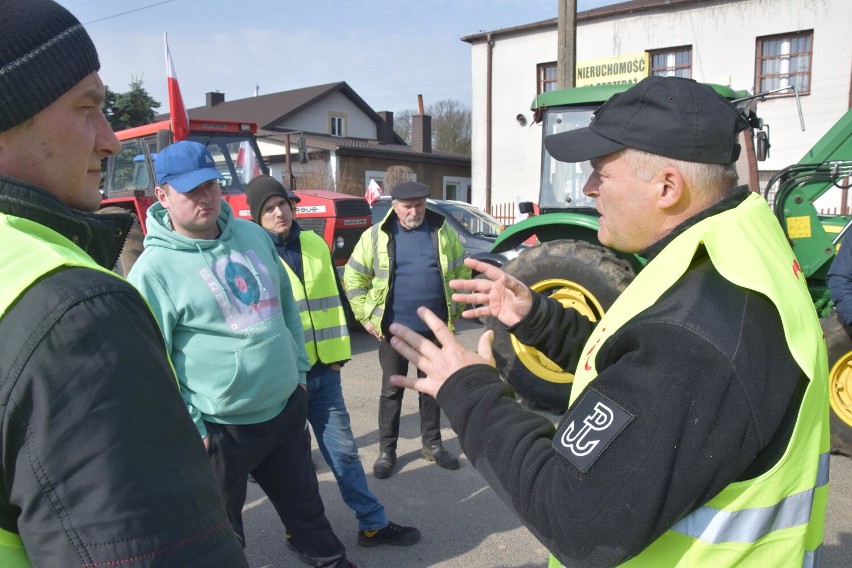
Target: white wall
723	39
315	118
515	149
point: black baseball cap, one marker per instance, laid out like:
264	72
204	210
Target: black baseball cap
668	116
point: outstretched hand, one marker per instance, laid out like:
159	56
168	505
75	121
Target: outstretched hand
498	294
438	363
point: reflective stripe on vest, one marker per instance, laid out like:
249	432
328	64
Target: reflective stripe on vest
319	303
777	518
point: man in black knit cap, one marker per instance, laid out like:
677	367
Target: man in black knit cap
101	464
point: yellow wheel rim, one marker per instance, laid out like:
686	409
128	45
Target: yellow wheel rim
840	388
571	295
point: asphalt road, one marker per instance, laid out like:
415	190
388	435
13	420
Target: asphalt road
463	522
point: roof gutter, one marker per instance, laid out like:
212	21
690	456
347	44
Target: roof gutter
488	96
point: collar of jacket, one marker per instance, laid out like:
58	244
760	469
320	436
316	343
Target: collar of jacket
293	235
101	236
733	200
435	219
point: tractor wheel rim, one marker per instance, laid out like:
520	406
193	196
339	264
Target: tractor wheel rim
569	294
840	388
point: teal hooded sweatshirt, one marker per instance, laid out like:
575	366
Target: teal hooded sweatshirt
228	317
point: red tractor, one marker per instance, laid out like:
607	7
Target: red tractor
129	184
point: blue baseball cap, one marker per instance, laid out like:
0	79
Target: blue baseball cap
185	165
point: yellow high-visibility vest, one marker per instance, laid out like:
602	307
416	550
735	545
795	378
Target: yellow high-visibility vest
319	303
777	518
30	250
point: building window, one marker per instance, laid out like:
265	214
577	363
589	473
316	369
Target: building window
783	61
457	188
672	62
546	77
337	124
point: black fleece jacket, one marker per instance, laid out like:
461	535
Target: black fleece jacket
101	464
710	387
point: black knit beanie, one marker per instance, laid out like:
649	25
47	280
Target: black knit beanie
44	51
262	188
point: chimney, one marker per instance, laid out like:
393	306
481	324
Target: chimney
421	133
384	133
214	99
421	130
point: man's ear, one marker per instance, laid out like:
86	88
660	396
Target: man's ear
671	189
162	196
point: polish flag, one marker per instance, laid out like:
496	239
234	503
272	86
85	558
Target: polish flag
247	162
373	192
177	112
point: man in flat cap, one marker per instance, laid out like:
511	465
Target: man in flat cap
101	464
697	431
404	262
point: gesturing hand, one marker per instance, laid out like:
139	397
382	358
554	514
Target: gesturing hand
438	363
498	294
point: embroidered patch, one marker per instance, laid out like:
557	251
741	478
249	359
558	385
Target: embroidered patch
589	428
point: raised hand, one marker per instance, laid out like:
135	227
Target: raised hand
498	294
437	362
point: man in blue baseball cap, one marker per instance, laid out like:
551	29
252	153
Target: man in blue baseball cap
232	328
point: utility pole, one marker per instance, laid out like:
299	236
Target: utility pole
566	51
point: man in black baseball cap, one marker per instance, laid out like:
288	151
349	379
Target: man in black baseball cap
101	464
672	451
660	122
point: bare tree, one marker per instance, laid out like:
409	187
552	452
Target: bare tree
451	126
317	174
402	124
396	175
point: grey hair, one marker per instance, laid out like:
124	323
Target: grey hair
712	181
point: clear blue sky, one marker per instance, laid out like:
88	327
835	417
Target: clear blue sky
388	51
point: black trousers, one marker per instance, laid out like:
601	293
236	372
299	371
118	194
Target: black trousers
390	403
277	453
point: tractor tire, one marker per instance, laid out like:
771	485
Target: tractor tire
839	384
578	274
132	245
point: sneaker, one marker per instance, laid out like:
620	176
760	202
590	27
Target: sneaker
392	534
343	563
384	465
440	456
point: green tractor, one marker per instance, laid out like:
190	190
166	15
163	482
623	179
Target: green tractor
572	266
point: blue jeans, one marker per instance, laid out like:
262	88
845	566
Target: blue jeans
330	421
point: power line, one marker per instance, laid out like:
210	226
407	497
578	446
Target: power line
127	12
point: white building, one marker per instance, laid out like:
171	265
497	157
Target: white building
753	45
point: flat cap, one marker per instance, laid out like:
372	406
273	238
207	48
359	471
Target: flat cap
410	190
